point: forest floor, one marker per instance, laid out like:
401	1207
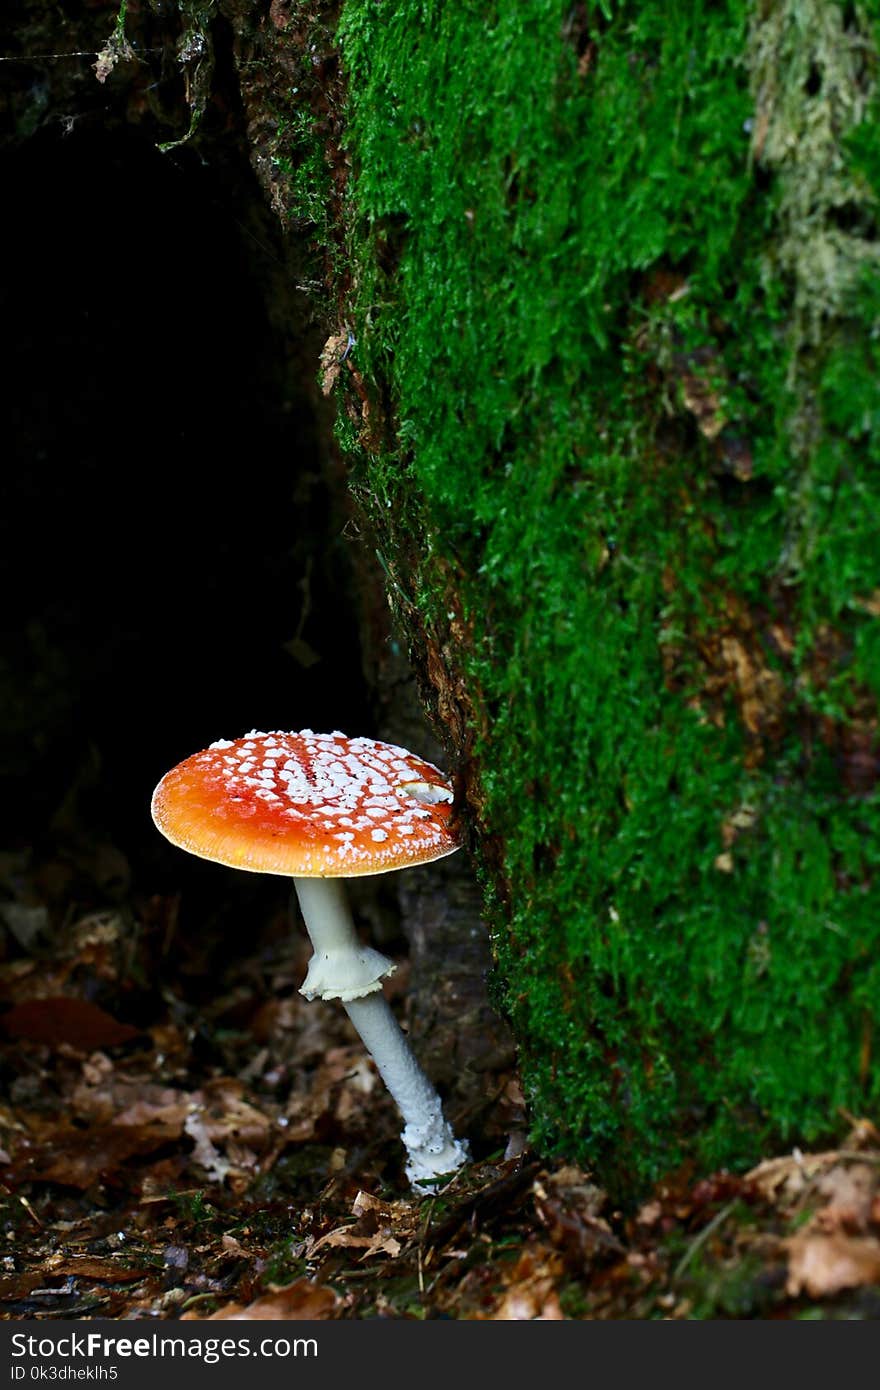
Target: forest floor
173	1153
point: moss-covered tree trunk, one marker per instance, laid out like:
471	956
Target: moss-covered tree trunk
613	410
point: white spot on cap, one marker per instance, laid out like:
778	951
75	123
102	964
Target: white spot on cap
428	793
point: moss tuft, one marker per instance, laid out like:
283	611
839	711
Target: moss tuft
614	277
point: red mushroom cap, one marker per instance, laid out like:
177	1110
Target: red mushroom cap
307	805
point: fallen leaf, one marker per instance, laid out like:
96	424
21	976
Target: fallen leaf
851	1190
649	1214
60	1020
204	1153
532	1296
820	1265
382	1244
14	1286
77	1158
298	1302
529	1305
93	1267
789	1175
864	1134
379	1243
169	1108
365	1203
568	1204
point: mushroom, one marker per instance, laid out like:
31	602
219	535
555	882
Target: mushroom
320	808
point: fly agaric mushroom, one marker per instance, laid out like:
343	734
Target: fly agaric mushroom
320	808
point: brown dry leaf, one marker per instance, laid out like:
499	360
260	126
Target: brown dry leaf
93	1267
347	1237
863	1135
298	1302
376	1230
15	1286
649	1214
77	1158
204	1154
382	1244
365	1201
568	1204
403	1216
820	1265
360	1083
532	1295
107	1095
851	1190
226	1114
60	1020
787	1177
732	651
344	1236
319	1095
332	356
226	1130
529	1305
156	1105
240	1121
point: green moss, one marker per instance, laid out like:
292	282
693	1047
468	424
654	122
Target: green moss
614	279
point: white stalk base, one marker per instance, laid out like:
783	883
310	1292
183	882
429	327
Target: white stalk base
343	969
432	1148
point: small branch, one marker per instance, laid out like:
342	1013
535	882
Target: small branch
700	1240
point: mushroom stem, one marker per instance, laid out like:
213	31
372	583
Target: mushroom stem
342	968
431	1146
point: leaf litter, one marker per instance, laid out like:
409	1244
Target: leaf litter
168	1153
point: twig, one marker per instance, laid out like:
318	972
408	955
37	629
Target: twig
425	1228
700	1240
